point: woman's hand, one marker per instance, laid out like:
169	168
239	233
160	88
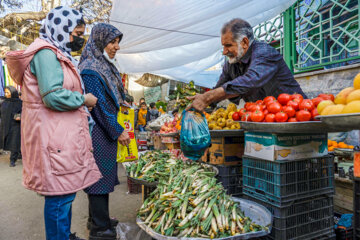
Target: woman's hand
90	100
124	138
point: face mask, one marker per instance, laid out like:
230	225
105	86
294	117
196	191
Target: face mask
76	44
111	60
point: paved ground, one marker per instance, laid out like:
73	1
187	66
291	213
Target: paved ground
21	210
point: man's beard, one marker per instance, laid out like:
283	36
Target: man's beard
233	59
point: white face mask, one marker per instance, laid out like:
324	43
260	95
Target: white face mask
113	60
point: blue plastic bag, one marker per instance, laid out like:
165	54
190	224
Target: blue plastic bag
195	135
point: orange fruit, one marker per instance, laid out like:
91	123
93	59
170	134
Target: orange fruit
357	81
330	149
329	142
324	104
342	145
342	95
351	146
352	107
335	145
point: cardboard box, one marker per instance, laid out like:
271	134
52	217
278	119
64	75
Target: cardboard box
285	146
172	146
226	150
158	144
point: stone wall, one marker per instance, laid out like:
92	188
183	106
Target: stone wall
327	81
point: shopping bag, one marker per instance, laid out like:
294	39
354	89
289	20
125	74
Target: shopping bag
126	119
195	135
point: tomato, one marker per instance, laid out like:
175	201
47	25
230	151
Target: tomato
265	111
317	100
284	98
257	116
292	119
259	102
297	96
254	108
327	96
248	105
236	116
281	117
290	111
246	117
274	107
314	113
294	104
242	111
263	107
303	115
306	104
269	99
270	117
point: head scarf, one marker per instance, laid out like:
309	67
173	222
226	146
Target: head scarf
92	57
13	91
58	25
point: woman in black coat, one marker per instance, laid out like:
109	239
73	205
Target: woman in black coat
10	124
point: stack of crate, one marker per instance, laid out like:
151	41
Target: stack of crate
231	179
298	192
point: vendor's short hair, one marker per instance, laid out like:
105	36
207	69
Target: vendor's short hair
239	28
152	105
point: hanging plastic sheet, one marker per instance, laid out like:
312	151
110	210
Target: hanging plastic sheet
181	39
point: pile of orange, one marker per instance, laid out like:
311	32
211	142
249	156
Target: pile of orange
333	144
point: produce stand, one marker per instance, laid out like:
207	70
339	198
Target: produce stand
257	212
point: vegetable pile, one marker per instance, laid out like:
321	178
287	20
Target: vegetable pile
190	203
181	93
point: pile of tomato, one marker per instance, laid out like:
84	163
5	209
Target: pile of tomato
286	108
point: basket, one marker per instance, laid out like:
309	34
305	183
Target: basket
281	182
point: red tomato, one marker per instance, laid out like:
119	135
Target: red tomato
265	111
292	119
284	98
254	108
281	117
297	96
327	96
314	113
257	116
246	117
259	102
317	100
248	105
294	104
274	107
303	116
290	111
263	107
269	99
306	104
236	116
270	117
242	111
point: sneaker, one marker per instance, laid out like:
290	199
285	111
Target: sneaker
113	221
74	237
12	164
109	234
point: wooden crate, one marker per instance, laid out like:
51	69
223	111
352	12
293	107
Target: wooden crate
226	150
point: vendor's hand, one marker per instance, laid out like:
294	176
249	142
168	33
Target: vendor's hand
199	102
90	100
17	119
124	138
90	108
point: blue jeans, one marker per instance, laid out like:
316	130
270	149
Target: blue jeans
141	128
57	214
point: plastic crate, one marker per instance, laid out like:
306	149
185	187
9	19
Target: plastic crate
133	187
230	180
356	218
304	219
229	170
281	182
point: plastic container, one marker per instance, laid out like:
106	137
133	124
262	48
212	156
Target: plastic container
281	182
133	187
309	218
229	170
230	180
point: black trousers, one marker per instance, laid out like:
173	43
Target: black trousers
99	212
14	156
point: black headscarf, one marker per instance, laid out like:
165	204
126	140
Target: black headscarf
9	127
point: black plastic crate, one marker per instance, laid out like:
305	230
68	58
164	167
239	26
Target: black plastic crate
229	170
356	217
233	190
230	180
304	219
281	182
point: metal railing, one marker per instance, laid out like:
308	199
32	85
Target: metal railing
315	34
